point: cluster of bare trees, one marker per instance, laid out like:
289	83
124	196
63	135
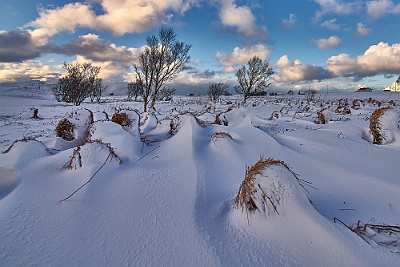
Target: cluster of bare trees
80	81
162	59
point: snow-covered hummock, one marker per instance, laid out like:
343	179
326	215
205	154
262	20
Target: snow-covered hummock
170	202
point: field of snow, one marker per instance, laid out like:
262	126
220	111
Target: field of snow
163	187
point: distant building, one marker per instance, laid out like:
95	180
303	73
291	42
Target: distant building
394	87
364	89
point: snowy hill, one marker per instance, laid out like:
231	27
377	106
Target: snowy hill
162	186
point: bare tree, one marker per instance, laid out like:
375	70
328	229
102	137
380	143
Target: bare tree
215	90
253	80
135	89
161	61
78	83
97	90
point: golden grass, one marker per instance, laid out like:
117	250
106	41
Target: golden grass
65	129
218	135
321	119
121	119
245	197
375	126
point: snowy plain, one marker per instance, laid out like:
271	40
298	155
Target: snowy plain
165	196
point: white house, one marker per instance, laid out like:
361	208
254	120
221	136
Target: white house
394	87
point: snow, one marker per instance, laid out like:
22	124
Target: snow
163	189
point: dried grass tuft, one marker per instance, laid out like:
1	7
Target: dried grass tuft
375	125
121	119
387	236
321	118
65	129
245	197
218	135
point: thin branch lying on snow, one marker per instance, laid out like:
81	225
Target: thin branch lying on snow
25	139
104	163
387	236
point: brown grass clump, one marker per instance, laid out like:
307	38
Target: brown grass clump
375	127
217	135
121	119
275	115
246	197
321	119
65	129
356	104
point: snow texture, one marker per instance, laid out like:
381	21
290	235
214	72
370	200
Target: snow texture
163	188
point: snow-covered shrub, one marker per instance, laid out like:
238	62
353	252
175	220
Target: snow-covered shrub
323	116
121	119
65	129
383	123
267	186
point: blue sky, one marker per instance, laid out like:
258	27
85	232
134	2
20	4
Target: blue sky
312	43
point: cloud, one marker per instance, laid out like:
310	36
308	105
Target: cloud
335	7
17	46
241	18
331	25
289	22
380	8
332	42
27	70
66	18
377	59
94	48
296	71
118	17
362	30
242	55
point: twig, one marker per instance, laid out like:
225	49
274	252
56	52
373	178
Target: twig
148	152
88	180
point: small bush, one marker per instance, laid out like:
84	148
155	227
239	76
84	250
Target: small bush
65	129
121	119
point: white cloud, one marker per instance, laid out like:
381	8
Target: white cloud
377	59
331	25
66	18
296	71
336	7
362	30
241	18
289	22
380	8
27	70
332	42
118	17
241	56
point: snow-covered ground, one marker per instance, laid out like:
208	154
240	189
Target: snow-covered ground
163	188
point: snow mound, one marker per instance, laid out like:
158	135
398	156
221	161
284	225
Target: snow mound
9	180
234	117
271	188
